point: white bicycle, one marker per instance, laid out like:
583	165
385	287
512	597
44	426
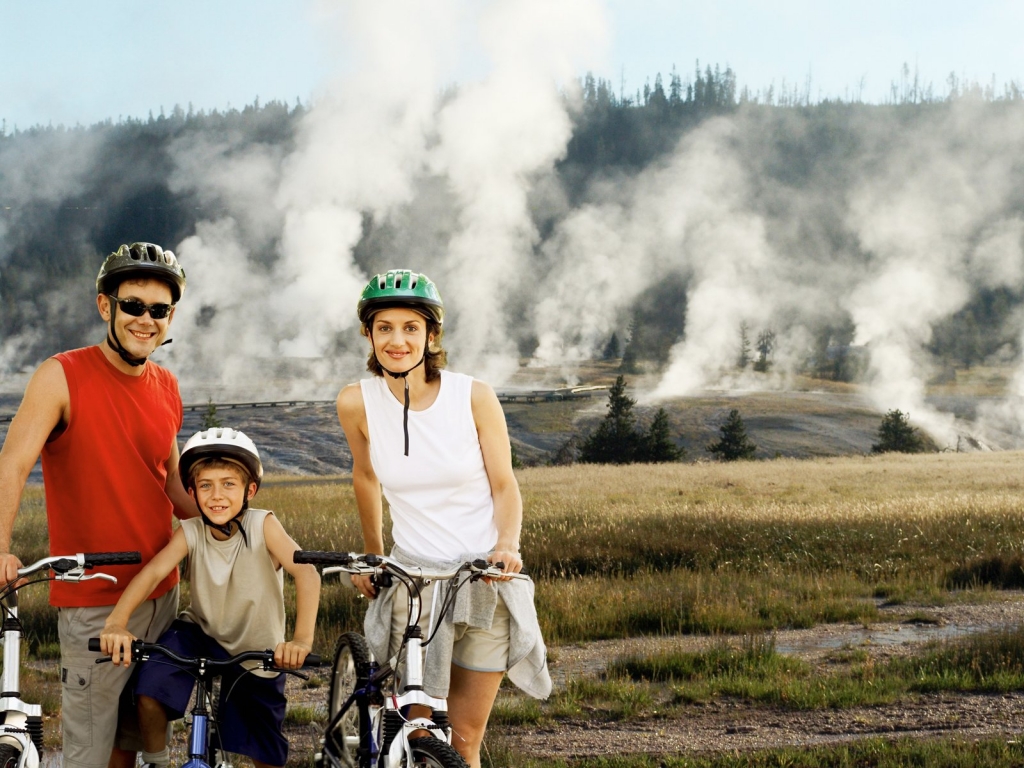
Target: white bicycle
21	729
368	725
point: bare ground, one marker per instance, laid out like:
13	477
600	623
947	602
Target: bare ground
727	725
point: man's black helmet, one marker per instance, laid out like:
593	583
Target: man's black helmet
141	261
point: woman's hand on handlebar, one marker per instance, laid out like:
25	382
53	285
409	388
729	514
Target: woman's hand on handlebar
116	642
291	655
363	582
510	560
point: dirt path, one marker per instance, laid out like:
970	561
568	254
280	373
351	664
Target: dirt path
726	725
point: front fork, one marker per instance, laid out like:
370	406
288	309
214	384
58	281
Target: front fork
21	724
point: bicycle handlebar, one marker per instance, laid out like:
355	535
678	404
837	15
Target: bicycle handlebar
65	563
352	562
141	651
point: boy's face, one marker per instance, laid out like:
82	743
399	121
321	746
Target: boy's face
220	492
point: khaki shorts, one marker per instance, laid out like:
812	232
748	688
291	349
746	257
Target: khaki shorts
476	649
95	716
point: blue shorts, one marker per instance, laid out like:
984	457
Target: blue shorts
249	720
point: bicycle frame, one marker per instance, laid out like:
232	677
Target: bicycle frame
204	670
21	729
389	730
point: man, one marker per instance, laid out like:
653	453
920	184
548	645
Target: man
105	420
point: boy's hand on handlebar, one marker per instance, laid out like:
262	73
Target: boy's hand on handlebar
510	561
362	582
116	642
291	655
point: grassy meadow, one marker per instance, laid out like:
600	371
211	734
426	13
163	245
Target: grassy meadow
721	549
706	548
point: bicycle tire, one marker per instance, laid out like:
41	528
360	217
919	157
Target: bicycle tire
9	756
430	752
348	743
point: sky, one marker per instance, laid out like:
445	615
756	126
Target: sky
75	62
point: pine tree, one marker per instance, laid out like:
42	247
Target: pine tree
657	445
210	420
612	350
743	360
734	443
895	435
616	439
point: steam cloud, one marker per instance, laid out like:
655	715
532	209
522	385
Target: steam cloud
455	183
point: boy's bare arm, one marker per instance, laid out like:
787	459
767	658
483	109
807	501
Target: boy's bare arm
282	547
116	640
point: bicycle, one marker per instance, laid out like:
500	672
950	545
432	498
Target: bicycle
366	726
21	730
203	743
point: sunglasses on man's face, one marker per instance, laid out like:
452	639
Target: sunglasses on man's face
137	308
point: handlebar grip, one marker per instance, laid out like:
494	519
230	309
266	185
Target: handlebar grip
306	556
112	558
313	660
94	644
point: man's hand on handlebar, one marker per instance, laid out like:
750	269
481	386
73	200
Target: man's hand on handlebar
116	642
9	565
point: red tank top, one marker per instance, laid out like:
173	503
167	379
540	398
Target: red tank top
105	475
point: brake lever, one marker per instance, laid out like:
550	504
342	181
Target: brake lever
78	574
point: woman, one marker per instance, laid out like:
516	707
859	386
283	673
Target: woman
437	444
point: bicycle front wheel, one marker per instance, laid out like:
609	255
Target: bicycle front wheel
9	756
347	744
429	752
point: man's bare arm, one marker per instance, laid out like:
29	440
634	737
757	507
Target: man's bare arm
46	406
184	507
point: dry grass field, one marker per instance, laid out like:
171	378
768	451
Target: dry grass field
708	549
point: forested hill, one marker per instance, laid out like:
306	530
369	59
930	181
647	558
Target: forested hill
69	195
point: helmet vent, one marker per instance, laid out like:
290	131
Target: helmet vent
398	280
415	279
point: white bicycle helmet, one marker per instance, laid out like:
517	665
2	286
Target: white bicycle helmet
228	444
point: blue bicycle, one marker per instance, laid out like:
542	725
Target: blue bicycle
204	748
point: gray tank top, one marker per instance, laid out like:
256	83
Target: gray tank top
236	593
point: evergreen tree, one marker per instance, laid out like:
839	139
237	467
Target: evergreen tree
895	435
657	445
743	360
517	463
210	420
612	350
734	443
765	347
616	439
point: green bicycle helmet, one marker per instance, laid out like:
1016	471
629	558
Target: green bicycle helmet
400	288
141	260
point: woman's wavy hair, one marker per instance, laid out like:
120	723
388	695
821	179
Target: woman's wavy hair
435	357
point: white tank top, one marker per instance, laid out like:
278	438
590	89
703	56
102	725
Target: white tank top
439	495
236	594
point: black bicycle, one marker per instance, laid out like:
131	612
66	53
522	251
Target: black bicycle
204	744
367	707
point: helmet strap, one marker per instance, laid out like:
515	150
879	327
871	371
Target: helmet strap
115	344
227	528
404	377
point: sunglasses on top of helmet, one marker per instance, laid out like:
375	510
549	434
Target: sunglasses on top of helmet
137	308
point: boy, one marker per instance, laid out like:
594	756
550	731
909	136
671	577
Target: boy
235	556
